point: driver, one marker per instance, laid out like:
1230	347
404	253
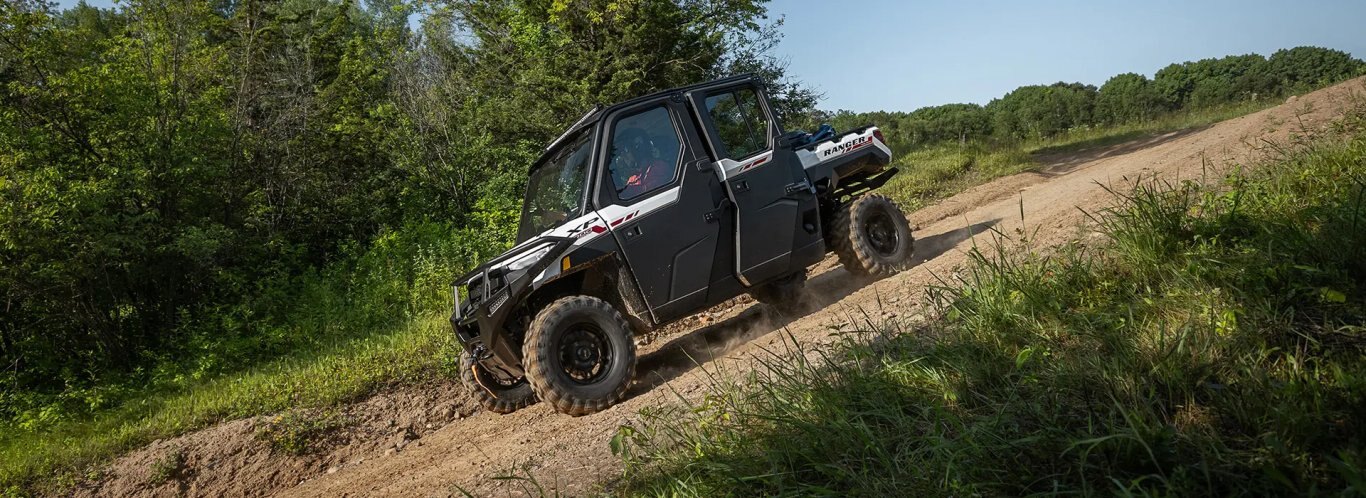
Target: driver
637	170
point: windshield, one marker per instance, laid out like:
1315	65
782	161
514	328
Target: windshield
554	193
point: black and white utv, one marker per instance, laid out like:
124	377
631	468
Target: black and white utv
651	210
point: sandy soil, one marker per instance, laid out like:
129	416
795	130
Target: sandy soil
432	442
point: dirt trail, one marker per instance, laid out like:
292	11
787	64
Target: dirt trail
571	455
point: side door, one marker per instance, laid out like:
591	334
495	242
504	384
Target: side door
655	190
768	186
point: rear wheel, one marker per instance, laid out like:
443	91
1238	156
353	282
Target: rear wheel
579	355
783	294
872	237
494	395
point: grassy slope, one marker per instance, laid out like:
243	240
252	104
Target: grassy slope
410	352
1212	346
375	320
349	352
941	171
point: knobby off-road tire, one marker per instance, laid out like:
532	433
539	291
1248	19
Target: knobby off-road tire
872	237
579	355
783	294
494	396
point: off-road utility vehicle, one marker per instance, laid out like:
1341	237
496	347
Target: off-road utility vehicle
651	210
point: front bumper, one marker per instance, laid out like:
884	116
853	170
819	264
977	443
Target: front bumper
492	292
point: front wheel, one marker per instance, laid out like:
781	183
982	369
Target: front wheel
579	355
493	394
872	237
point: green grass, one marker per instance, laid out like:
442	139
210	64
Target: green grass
375	319
1211	345
1078	140
943	170
413	352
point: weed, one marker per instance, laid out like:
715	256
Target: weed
297	432
168	467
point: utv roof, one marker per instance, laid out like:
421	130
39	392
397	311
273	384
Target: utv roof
597	112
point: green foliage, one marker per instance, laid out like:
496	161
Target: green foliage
150	187
1213	346
1211	82
1304	68
1042	111
1127	98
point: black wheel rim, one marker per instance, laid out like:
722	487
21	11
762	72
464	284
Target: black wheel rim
585	353
882	233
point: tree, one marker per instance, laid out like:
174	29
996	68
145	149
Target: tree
1302	68
1126	97
1042	111
949	122
1234	78
1237	78
114	214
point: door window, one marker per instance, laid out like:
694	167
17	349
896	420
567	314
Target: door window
740	123
643	154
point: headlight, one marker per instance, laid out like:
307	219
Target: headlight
529	259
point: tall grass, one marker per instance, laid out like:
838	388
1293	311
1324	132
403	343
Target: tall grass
1212	346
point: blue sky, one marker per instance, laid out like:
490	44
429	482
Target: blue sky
902	55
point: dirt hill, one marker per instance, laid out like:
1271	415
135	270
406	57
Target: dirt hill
432	441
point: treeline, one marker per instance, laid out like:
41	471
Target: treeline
1040	111
169	169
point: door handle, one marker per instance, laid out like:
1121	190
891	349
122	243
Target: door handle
633	231
715	214
802	186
